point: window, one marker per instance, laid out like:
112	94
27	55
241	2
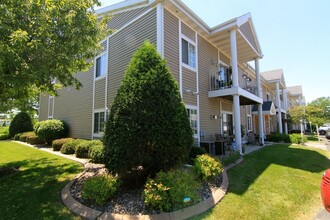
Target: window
188	53
267	96
192	114
101	66
99	122
249	123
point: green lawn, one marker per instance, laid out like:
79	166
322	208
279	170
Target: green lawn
4	130
33	191
277	182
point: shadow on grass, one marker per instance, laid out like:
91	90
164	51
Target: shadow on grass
33	191
256	163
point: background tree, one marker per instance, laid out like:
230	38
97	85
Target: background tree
148	128
322	103
45	40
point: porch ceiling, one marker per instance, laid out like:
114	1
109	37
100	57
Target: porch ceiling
248	47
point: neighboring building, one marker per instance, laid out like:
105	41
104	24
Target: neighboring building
217	85
295	98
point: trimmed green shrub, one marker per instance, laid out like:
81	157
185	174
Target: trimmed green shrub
148	123
51	130
58	143
100	189
96	153
24	136
16	136
69	147
195	151
4	136
33	139
277	137
169	189
20	123
207	167
296	138
83	147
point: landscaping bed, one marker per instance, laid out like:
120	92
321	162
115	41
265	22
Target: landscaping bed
127	200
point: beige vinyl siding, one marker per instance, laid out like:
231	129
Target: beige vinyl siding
103	46
227	106
187	31
171	43
122	46
75	106
243	112
224	58
99	99
189	82
207	106
246	30
43	107
117	21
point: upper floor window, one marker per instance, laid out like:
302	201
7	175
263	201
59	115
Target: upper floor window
101	66
188	53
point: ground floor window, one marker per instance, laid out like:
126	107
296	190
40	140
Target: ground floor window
192	114
227	124
99	122
249	123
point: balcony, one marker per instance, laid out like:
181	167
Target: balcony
225	90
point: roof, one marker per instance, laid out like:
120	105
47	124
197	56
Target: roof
295	90
274	76
248	47
268	108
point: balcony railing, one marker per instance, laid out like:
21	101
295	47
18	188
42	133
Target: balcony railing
216	84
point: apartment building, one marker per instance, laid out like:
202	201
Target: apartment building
217	85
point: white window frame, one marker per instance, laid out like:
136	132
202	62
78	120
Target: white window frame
98	111
104	70
51	116
191	63
195	108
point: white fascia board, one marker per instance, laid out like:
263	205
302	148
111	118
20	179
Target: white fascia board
187	11
120	5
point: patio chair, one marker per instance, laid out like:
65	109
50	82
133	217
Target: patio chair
251	138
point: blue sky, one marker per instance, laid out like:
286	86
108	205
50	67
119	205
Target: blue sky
293	35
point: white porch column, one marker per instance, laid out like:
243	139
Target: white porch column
237	111
160	28
286	108
279	108
260	116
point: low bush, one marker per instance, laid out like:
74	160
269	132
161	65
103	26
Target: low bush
100	189
20	123
296	138
171	190
195	151
277	137
96	153
16	136
34	139
82	149
4	137
24	136
207	167
51	130
58	143
70	146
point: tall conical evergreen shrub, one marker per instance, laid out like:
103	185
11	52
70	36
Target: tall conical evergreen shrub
148	127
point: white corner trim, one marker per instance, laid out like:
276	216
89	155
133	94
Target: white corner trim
180	58
197	86
106	76
160	29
